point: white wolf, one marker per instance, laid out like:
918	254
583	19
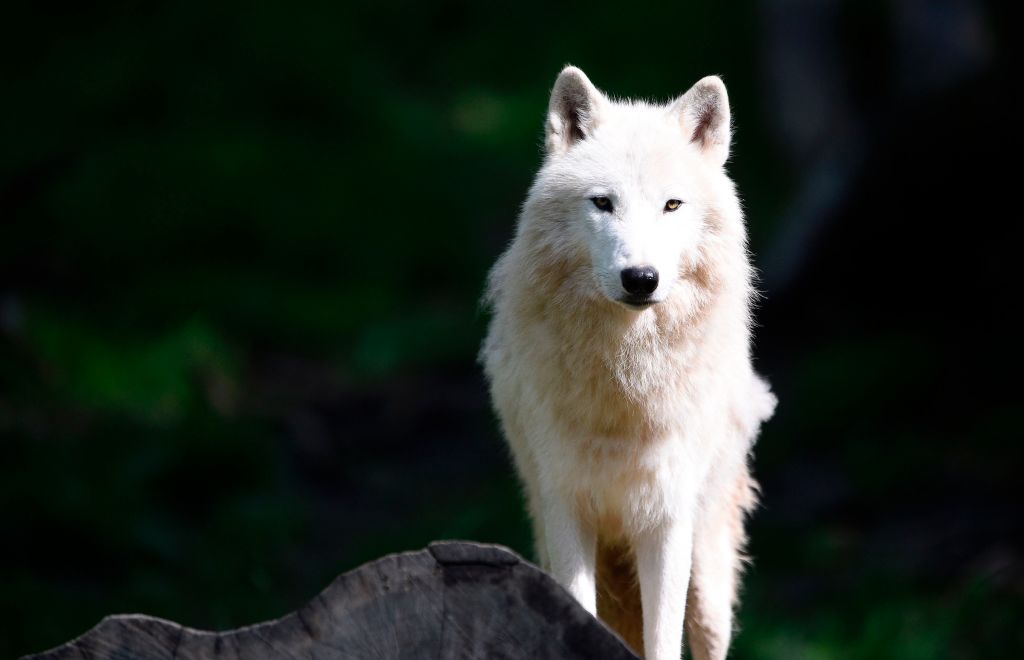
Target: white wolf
619	362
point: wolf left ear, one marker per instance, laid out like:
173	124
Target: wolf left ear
703	113
573	111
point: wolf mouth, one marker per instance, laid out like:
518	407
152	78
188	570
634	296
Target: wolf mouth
638	303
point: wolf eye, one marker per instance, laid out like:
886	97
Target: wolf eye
602	203
672	205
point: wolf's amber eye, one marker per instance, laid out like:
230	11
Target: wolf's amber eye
672	205
602	203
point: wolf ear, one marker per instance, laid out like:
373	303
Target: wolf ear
573	111
704	116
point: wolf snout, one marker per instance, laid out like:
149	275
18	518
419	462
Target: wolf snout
640	281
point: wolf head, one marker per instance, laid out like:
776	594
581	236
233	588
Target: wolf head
633	187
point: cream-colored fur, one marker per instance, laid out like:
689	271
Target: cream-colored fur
630	426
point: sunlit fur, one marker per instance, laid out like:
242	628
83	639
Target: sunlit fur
630	428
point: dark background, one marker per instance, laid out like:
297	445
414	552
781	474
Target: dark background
241	253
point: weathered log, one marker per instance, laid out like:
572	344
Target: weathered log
452	600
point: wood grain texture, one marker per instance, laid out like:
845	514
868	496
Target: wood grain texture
452	600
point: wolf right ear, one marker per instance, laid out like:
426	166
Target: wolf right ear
573	111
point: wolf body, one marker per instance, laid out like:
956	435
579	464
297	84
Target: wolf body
619	361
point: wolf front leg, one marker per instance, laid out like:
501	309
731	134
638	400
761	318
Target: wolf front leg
663	558
718	544
571	550
712	588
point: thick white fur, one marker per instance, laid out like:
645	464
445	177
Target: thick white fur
626	425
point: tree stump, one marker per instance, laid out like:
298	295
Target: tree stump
452	600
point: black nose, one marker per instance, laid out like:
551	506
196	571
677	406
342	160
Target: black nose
640	281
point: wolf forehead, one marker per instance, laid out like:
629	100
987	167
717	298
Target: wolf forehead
637	151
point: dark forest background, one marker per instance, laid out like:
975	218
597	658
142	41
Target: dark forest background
242	248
